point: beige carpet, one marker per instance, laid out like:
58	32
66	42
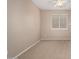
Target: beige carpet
49	50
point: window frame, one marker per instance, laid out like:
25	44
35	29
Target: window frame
59	22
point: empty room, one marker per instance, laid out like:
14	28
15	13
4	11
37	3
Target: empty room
39	29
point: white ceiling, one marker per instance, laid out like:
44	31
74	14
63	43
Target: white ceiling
49	5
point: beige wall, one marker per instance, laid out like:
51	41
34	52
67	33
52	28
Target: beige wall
46	31
23	25
49	50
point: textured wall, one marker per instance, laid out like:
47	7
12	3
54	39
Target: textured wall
49	50
46	31
23	25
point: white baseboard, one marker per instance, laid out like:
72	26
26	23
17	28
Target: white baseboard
16	57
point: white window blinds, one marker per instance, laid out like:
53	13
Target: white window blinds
59	21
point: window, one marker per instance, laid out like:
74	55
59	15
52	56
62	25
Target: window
60	21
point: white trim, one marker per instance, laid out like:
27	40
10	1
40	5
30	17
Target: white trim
26	49
59	28
67	21
59	14
15	58
59	21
